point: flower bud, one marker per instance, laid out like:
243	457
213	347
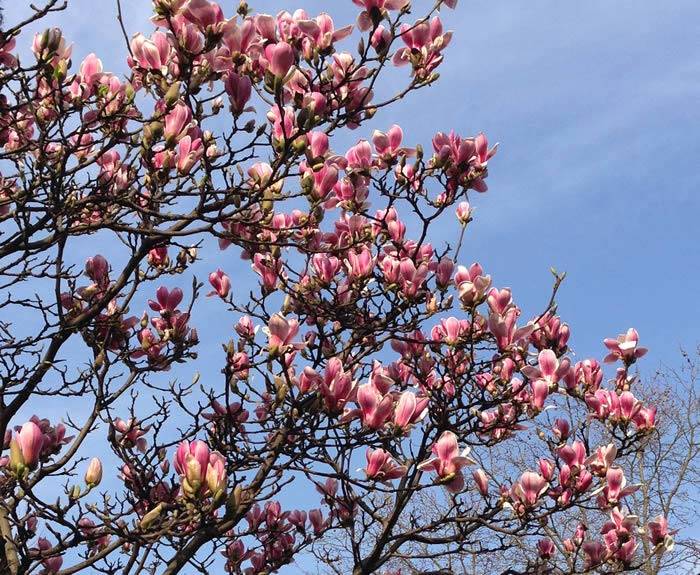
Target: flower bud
93	475
16	458
151	516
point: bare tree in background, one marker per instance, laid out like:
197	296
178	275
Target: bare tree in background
667	467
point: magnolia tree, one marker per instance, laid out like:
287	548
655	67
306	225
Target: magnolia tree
367	369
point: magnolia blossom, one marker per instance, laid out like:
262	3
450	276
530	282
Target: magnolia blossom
544	378
527	491
625	348
280	57
177	122
382	467
448	462
221	284
615	487
659	533
546	548
26	446
375	407
281	332
131	433
375	10
202	472
464	213
482	481
409	409
93	475
167	300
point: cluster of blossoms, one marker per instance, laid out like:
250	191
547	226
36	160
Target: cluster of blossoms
31	444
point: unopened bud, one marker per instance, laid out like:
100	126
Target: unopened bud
151	516
93	475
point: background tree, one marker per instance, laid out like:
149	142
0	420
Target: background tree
376	350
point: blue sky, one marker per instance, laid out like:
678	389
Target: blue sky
595	106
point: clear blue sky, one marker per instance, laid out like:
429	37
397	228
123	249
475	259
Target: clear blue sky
596	107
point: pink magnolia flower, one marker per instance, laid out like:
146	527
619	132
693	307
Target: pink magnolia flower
602	459
624	348
320	34
359	265
90	70
199	468
8	59
382	467
239	89
245	328
472	284
189	152
547	468
615	487
51	46
337	386
618	533
177	122
659	533
280	58
587	374
326	267
375	407
573	455
424	44
448	462
528	489
464	213
158	257
540	391
409	409
595	553
317	144
546	548
26	446
153	53
443	272
628	406
550	332
645	418
268	268
561	429
281	332
216	474
381	39
450	330
549	368
482	481
131	433
97	269
207	15
388	145
375	10
321	182
603	403
52	564
412	277
221	284
167	300
359	157
505	330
